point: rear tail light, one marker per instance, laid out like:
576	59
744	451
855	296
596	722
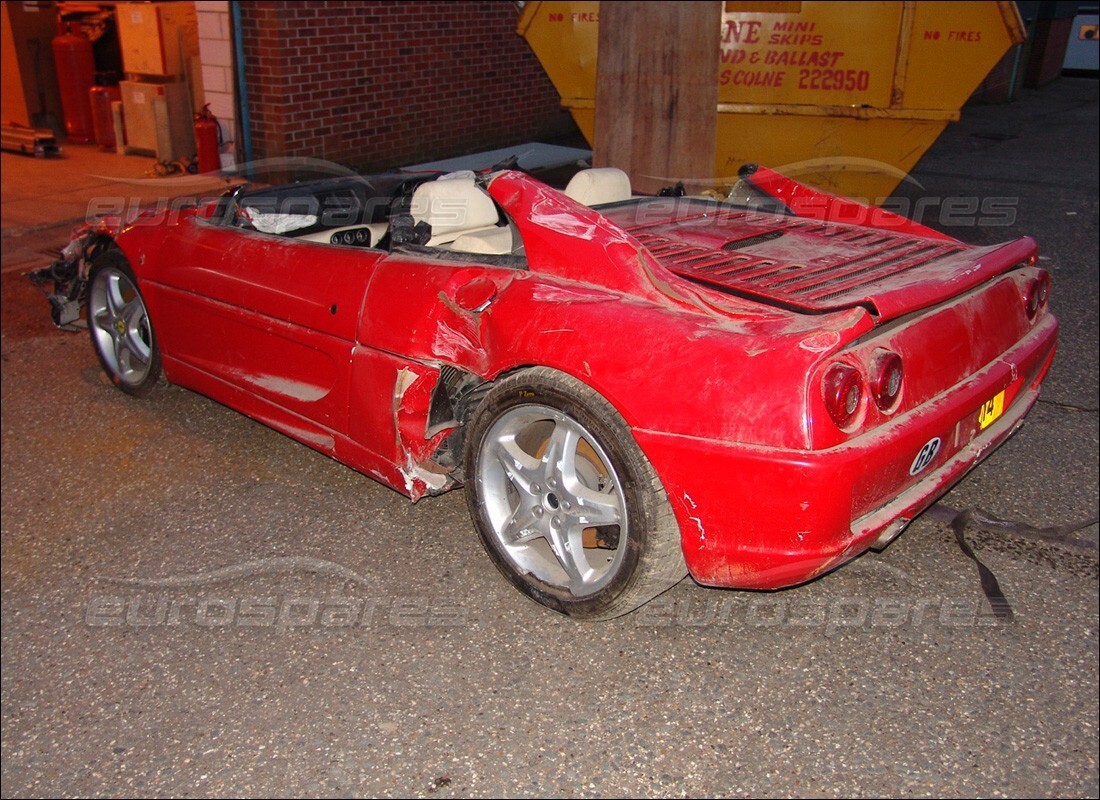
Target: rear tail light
886	378
843	388
1037	294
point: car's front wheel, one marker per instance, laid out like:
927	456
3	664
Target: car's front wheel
118	322
565	502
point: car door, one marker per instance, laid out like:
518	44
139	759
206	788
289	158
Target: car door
271	316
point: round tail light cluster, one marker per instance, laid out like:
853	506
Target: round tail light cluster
843	391
1037	294
844	386
886	377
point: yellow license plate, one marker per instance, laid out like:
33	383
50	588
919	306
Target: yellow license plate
991	410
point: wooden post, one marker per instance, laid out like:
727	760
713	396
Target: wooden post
657	91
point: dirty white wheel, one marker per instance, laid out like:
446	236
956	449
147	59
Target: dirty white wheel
565	502
118	322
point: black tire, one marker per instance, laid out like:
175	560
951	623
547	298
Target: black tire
119	326
564	501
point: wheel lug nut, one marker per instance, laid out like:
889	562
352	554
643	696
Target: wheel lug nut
535	487
557	520
538	511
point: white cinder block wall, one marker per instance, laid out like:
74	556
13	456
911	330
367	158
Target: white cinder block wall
216	54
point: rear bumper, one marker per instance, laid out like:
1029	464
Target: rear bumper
763	518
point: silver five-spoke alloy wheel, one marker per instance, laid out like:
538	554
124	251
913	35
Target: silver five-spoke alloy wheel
553	499
120	329
565	503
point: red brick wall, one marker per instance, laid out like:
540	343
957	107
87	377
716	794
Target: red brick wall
380	84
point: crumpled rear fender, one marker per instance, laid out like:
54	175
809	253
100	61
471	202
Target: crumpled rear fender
661	365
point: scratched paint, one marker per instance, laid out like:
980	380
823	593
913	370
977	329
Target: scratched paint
296	390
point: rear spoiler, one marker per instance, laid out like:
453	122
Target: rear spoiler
805	201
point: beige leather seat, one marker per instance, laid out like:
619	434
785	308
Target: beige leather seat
595	187
453	206
489	242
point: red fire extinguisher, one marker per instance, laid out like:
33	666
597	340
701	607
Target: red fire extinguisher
103	122
72	53
207	139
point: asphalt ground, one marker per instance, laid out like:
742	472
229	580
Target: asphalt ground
195	605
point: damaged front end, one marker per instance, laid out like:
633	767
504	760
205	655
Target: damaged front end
444	402
65	282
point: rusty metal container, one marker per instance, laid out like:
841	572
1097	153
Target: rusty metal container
844	96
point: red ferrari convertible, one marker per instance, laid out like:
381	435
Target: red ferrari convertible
751	390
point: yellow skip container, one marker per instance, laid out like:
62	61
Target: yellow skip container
844	96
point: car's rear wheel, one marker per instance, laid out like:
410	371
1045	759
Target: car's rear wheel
565	502
118	322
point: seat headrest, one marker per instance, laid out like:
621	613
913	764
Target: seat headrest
594	187
453	204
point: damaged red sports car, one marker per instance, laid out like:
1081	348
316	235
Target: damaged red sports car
751	390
